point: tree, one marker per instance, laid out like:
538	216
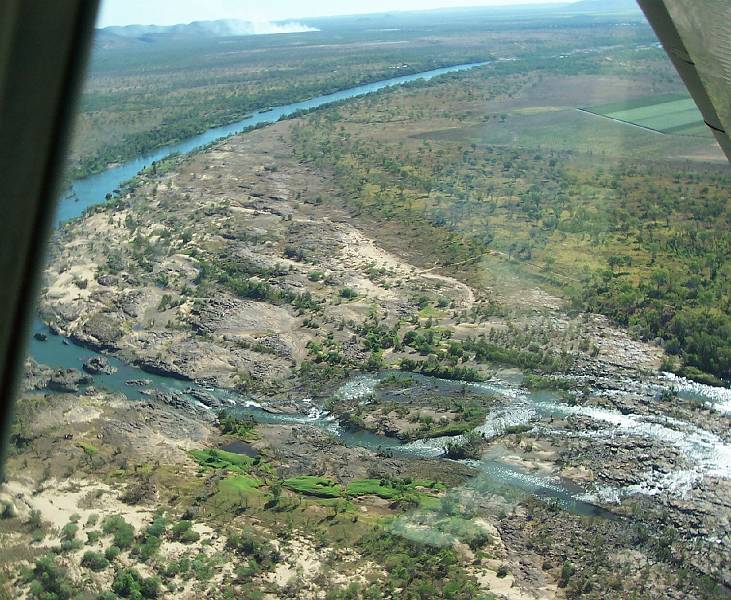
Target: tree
614	261
660	277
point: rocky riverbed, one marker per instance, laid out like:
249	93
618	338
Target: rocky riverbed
230	270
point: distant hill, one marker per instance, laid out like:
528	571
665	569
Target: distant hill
474	15
124	36
114	35
106	39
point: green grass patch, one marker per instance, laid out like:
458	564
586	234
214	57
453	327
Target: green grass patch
89	449
238	484
220	459
428	502
430	312
234	492
375	487
313	486
390	490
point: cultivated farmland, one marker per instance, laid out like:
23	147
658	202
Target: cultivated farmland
668	113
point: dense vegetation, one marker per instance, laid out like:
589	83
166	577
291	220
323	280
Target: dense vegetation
565	201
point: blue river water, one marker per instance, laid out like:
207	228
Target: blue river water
494	474
92	190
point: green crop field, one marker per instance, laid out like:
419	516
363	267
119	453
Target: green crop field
665	113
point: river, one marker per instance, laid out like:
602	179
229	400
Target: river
520	407
92	190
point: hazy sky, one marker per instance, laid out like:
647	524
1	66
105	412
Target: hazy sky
170	12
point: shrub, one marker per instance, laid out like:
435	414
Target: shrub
148	547
150	587
157	527
37	536
94	561
518	429
92	537
178	567
69	531
71	545
123	532
260	554
202	567
150	542
567	570
430	572
112	552
238	425
128	583
34	519
183	532
470	448
294	253
375	361
48	580
7	510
